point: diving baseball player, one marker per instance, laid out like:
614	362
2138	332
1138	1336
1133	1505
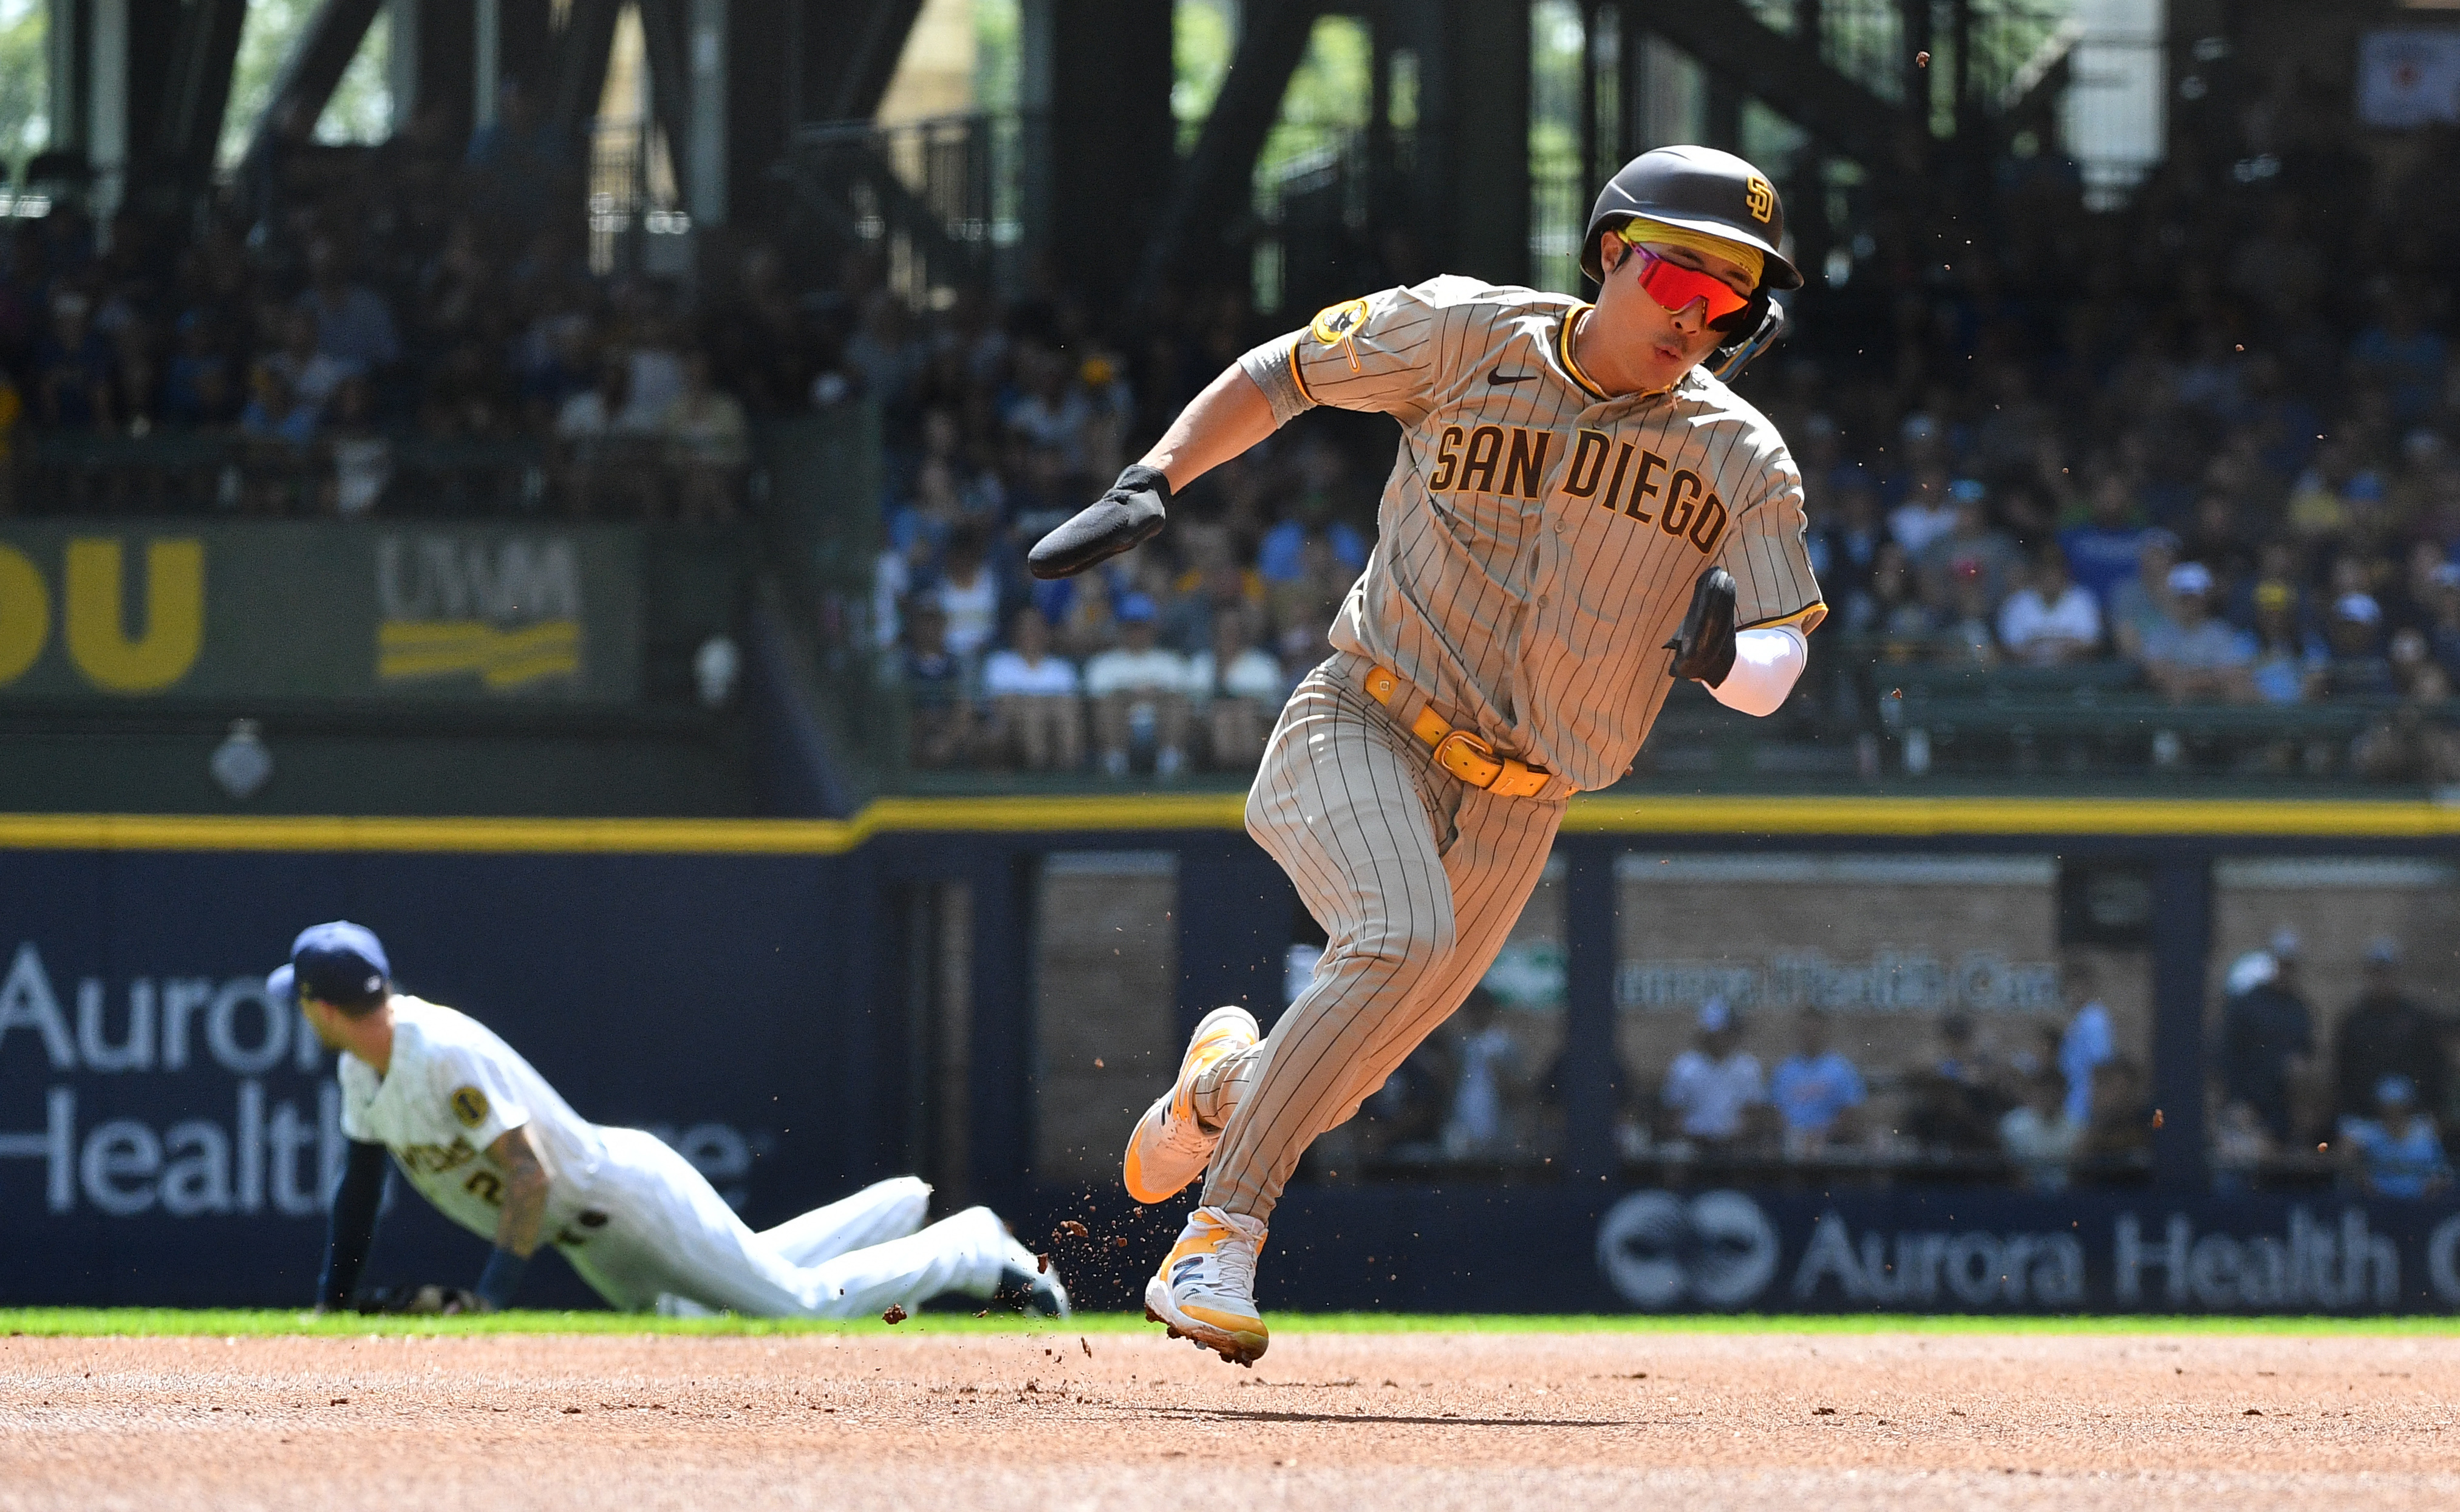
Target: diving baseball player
482	1136
1568	481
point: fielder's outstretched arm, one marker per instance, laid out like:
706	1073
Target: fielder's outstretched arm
351	1228
1229	417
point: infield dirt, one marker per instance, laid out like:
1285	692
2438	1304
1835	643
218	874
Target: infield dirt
1421	1421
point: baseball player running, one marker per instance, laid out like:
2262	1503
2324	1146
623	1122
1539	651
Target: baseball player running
482	1136
1568	477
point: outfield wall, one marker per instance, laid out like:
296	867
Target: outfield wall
986	991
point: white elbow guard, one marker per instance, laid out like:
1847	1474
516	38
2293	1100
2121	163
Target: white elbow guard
1766	662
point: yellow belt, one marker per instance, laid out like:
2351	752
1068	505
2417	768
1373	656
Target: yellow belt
1465	756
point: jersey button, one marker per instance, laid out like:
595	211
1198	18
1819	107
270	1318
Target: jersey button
1541	601
1559	527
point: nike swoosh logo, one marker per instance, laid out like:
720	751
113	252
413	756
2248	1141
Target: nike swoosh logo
1498	377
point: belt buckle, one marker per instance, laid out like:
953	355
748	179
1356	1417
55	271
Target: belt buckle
1467	757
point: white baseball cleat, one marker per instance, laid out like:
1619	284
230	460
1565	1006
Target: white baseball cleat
1205	1290
1170	1147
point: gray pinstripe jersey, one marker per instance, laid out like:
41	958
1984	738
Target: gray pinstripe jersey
1538	539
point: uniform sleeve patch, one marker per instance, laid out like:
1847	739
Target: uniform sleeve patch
1335	324
470	1106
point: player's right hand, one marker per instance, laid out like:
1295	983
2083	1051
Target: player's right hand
1127	517
1703	648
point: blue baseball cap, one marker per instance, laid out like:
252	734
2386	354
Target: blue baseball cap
340	962
282	986
1134	608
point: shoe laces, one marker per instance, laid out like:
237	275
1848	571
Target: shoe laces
1234	1257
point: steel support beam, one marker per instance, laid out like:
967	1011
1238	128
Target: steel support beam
1212	187
850	52
1785	73
309	75
580	67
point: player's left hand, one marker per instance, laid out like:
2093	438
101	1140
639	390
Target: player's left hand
1703	648
1127	517
422	1302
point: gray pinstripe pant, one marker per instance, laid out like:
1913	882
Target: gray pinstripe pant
1416	877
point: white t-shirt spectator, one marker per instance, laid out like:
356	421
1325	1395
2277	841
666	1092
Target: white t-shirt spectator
1713	1095
1121	671
1253	674
1916	524
2027	627
973	609
1008	672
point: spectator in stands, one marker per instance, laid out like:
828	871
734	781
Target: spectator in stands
1714	1093
2288	666
1971	549
2106	549
201	385
2138	606
597	456
2088	1041
1139	693
2116	1144
2358	667
2196	657
2051	620
2413	742
2398	1151
1037	713
518	160
1488	1088
362	455
1238	691
1847	548
2387	1033
2241	1147
941	720
1303	604
1051	411
1897	615
350	323
275	413
75	388
1964	633
2442	634
2039	1136
709	445
2267	1033
1951	1107
1815	1091
1282	556
311	373
968	592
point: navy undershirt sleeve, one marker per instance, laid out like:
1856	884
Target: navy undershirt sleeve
353	1227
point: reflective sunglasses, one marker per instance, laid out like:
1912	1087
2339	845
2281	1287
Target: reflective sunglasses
1675	286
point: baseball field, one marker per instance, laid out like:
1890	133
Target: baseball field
168	1411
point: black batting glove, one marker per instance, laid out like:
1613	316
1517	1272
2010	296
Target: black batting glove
1127	517
1703	648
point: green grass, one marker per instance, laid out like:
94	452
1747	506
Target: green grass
228	1323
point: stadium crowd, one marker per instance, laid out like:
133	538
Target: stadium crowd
2211	440
2043	1103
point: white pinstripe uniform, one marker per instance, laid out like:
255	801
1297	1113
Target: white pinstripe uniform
634	1217
1538	543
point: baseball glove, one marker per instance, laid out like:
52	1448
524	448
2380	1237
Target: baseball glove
426	1302
1703	648
1127	517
